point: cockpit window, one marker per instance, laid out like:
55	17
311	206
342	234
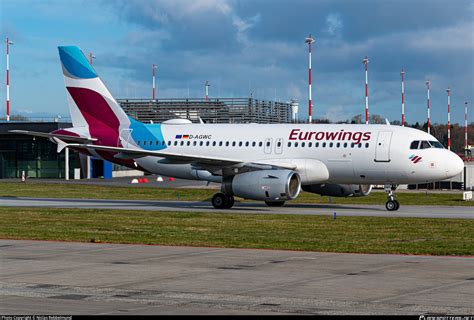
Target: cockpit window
425	145
414	144
436	144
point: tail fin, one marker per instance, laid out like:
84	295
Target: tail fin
90	102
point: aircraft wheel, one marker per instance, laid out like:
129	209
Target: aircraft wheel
219	201
392	205
275	203
397	205
230	202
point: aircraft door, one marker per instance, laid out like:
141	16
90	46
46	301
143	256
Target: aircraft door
124	138
382	149
267	147
279	146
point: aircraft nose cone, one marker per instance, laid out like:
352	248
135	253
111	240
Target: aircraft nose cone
454	165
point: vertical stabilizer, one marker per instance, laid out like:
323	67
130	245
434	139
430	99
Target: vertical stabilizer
90	102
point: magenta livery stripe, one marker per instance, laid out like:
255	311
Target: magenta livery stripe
103	124
417	160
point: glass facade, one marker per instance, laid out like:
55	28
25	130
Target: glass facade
37	157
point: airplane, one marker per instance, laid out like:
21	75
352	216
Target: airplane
265	162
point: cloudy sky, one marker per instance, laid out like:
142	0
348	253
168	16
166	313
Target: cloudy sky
251	46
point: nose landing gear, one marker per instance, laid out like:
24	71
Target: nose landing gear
392	204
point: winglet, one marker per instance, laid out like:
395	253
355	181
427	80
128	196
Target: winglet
61	144
387	122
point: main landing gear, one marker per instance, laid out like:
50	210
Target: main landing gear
392	204
222	201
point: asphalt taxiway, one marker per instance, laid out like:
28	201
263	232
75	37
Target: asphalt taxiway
244	207
83	278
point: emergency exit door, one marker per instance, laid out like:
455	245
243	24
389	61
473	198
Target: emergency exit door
382	149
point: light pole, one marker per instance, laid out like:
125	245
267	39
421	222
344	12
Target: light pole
310	41
207	90
153	67
428	96
91	56
449	118
8	42
403	97
366	63
465	129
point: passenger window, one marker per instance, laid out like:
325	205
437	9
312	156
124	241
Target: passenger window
338	145
227	143
324	144
353	144
310	144
182	143
317	144
360	145
425	145
296	144
233	143
289	144
279	144
138	142
414	144
207	143
254	143
213	143
330	145
163	142
201	143
169	142
194	143
268	143
345	144
151	143
144	142
157	142
188	143
175	143
246	143
367	145
240	143
302	144
220	143
260	144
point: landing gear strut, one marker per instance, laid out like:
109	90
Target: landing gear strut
222	201
392	204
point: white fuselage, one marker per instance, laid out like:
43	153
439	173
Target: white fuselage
353	154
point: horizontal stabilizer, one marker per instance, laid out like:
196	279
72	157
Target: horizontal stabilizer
61	144
53	135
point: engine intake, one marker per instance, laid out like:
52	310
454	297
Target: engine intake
339	190
266	185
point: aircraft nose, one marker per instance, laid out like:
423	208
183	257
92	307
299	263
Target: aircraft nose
453	165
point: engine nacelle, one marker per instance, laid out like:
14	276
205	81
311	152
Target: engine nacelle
339	190
266	185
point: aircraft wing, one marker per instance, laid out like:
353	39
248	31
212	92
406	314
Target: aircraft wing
212	163
53	135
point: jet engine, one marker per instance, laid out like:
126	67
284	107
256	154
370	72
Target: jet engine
267	185
339	190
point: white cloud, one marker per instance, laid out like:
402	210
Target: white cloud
334	24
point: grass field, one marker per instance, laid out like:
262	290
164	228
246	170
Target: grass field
50	190
295	232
